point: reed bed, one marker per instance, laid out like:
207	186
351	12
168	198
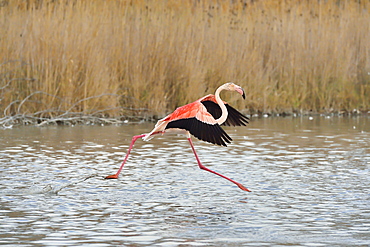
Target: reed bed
141	59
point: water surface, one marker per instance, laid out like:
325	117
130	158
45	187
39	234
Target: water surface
309	181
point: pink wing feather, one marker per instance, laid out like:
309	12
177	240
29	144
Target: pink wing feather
195	118
195	109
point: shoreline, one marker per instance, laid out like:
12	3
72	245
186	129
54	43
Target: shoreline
22	120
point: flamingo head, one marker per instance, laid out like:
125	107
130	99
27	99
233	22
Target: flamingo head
233	87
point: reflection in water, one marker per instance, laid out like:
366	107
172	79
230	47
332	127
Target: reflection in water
309	182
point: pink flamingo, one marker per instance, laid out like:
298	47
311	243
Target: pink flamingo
203	119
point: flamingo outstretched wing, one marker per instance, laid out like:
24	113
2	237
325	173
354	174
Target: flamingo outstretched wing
199	122
234	118
203	131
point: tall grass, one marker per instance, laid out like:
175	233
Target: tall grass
114	58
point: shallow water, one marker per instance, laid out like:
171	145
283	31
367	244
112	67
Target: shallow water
309	180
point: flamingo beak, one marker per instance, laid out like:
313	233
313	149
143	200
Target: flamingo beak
241	91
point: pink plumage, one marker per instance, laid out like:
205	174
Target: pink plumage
202	119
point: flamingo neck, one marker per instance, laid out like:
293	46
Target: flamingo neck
219	101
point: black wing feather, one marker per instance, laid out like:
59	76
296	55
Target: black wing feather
234	118
203	131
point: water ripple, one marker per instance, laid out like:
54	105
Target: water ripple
309	183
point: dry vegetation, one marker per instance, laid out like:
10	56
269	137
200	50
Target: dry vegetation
116	59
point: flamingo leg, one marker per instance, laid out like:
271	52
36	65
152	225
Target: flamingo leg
134	138
209	170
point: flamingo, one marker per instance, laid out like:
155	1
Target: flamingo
202	119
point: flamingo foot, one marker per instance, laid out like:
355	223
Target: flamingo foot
115	176
242	187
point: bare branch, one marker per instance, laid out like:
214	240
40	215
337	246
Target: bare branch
16	79
6	108
91	97
63	117
30	95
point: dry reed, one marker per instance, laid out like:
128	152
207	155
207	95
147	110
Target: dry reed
144	58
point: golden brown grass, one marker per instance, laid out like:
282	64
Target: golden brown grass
106	57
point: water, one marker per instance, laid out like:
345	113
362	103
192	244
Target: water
309	181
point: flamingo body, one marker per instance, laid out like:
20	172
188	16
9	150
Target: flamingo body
202	119
199	119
